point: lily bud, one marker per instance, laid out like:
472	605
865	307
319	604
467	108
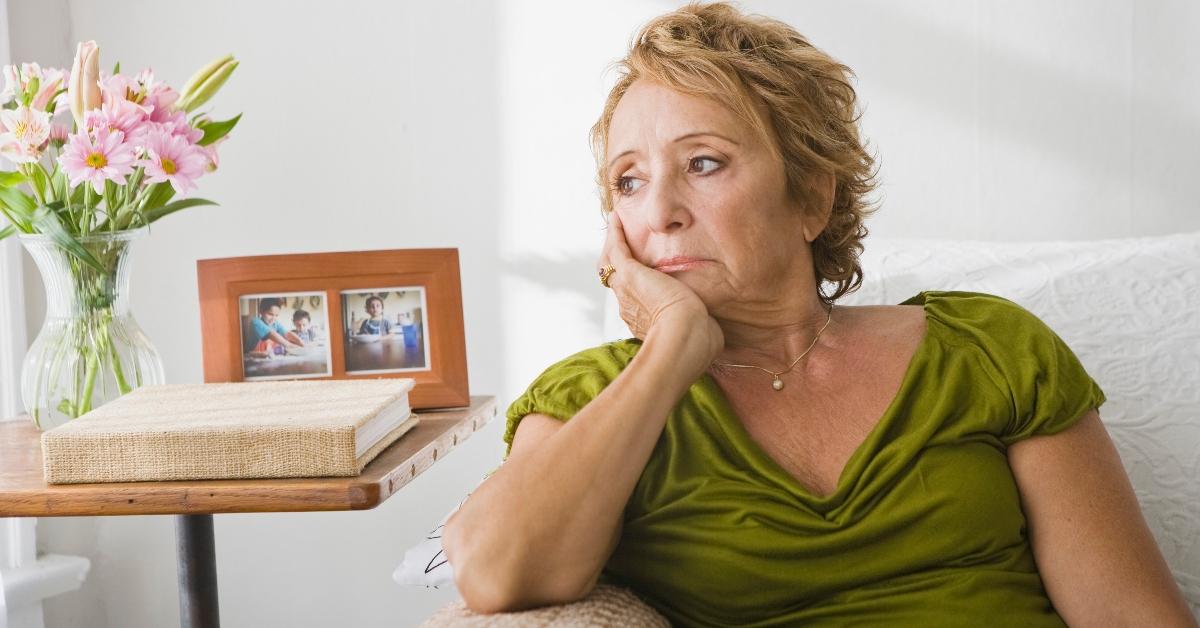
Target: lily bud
205	83
83	91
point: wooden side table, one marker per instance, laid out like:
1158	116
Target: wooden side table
24	493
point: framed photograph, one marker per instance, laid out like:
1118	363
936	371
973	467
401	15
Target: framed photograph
385	335
362	314
281	339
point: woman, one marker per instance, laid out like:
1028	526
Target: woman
759	455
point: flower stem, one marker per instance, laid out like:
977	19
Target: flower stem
117	368
89	382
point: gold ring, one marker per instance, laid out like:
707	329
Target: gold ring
605	273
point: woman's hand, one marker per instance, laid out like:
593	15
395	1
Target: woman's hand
653	302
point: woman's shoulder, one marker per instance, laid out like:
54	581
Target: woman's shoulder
604	360
566	386
978	316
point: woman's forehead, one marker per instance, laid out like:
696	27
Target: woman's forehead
651	113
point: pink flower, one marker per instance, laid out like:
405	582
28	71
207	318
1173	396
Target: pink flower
121	115
17	81
173	158
214	160
83	88
177	124
156	97
58	135
51	81
107	157
26	130
162	99
12	84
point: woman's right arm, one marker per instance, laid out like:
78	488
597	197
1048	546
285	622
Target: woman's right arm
541	528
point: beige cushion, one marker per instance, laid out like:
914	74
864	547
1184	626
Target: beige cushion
607	605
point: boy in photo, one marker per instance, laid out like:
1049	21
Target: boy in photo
302	324
377	325
272	337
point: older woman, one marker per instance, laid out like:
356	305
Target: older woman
759	455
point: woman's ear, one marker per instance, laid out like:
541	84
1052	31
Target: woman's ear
817	218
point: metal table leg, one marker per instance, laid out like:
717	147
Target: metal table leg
197	571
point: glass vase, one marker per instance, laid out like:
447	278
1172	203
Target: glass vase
90	349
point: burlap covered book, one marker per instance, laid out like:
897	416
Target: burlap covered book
279	429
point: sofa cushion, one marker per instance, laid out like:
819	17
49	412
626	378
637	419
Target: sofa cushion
606	606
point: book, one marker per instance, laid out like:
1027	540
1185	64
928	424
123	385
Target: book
274	429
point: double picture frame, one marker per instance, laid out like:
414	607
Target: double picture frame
346	315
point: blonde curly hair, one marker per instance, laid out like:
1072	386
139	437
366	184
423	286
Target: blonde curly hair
798	98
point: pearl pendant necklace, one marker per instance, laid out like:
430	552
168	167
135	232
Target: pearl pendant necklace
777	382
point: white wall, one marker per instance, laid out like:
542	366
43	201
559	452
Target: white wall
466	126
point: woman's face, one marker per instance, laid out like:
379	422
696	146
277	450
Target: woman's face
702	198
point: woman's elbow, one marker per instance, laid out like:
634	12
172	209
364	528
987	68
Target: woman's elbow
482	595
494	583
482	590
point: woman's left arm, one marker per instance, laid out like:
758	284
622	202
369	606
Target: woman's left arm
1096	555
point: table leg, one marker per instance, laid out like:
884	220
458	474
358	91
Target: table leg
196	551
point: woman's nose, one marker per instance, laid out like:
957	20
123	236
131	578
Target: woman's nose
666	206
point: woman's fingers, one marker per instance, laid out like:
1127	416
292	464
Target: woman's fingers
616	234
616	249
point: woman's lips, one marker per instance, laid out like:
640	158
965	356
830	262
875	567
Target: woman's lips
675	264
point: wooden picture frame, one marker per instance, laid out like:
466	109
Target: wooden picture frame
425	343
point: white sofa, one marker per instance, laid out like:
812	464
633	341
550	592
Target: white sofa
1129	308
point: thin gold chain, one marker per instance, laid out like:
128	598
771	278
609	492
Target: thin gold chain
778	383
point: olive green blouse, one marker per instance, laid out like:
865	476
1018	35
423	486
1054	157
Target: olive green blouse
925	527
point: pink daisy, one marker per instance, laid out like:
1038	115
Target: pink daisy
106	158
173	158
177	124
121	115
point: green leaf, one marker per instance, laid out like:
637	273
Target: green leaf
10	179
18	201
18	208
47	222
38	181
214	131
18	221
31	91
61	184
53	106
7	231
158	196
170	208
117	68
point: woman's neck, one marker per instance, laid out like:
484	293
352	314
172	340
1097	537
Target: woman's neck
772	336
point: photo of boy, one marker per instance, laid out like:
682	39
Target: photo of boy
302	326
377	324
272	337
272	350
387	340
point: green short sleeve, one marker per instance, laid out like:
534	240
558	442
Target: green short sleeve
563	389
1049	387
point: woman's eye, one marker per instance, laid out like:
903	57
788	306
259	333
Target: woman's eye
703	165
627	185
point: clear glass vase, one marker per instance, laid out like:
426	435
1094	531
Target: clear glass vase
90	349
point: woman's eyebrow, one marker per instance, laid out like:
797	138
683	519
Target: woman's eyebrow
681	138
703	134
